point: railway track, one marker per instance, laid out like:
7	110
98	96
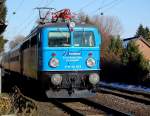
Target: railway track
65	108
76	107
82	107
137	96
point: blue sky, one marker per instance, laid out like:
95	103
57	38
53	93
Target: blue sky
130	13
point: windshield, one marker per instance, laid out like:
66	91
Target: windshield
84	39
63	39
59	39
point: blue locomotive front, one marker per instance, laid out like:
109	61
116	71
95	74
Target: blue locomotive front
69	59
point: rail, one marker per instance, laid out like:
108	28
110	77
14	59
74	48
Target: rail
89	103
137	96
108	110
66	108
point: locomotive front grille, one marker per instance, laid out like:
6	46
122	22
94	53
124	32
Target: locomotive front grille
73	80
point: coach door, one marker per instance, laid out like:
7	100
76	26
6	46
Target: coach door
34	56
21	60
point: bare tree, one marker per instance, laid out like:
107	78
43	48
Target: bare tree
17	40
107	25
81	16
110	24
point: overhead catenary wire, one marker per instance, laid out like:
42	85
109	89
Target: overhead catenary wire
30	16
19	5
102	2
105	6
17	9
88	4
14	12
28	23
49	2
113	5
25	22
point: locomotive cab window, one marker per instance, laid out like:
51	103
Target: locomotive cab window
84	39
59	39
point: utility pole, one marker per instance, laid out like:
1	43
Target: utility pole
0	82
0	74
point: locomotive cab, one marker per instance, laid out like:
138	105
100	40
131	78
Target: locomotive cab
69	59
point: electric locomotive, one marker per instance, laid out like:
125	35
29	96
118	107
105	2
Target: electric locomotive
63	56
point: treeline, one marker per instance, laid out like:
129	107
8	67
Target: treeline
144	32
120	63
125	65
3	12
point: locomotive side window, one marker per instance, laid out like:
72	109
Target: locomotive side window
39	40
25	44
34	40
84	39
59	39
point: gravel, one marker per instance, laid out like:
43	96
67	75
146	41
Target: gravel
84	109
48	109
119	103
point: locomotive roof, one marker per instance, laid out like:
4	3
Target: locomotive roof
65	25
50	25
62	24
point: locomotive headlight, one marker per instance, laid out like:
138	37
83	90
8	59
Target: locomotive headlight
90	62
72	24
56	79
54	62
94	78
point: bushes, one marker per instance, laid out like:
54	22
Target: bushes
124	64
111	68
111	65
5	104
137	67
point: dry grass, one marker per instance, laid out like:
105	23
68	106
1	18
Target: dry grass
6	106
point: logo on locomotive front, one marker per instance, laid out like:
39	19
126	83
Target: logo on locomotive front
72	59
